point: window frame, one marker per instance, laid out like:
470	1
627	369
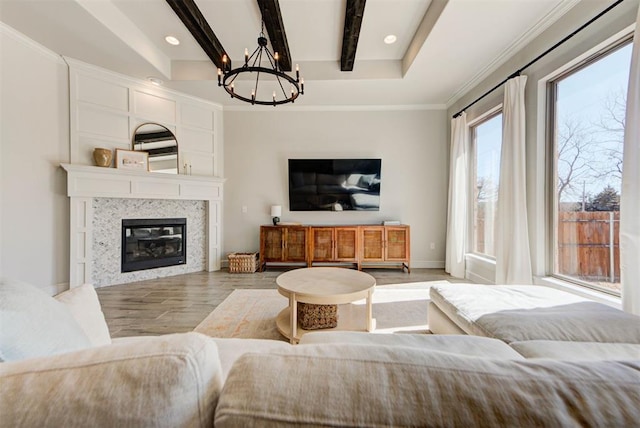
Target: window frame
552	161
472	126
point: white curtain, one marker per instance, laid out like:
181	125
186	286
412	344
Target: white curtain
630	195
458	198
513	260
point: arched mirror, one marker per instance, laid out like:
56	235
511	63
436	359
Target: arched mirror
161	145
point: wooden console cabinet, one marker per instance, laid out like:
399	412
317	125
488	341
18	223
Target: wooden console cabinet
384	244
283	244
334	244
361	245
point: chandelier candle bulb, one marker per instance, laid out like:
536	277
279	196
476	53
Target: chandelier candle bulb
302	85
224	63
275	56
297	72
246	56
219	77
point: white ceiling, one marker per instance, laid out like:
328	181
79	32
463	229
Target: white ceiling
443	48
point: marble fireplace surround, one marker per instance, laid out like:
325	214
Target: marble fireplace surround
84	183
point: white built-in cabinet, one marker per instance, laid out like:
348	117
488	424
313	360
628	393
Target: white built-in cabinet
105	110
107	107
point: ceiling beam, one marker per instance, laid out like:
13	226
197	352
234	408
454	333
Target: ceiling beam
272	18
352	23
192	18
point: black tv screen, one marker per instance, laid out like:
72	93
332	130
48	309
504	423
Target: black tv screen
334	184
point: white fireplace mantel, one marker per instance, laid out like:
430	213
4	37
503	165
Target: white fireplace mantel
87	182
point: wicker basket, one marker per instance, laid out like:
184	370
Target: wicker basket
314	317
243	262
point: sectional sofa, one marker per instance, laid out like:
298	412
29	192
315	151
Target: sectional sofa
61	368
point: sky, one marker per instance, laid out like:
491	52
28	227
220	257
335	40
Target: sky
581	100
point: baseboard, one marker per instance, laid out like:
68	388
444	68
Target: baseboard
57	288
423	264
477	279
427	264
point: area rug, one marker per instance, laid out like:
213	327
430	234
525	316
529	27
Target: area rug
397	308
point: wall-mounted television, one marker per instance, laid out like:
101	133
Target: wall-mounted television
334	184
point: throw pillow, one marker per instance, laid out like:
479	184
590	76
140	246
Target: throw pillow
85	307
33	324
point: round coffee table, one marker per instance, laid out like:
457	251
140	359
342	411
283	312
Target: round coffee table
322	286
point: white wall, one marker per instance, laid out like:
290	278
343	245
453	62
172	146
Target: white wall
412	145
577	47
34	224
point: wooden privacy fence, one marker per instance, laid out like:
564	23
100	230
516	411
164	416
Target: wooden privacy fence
589	245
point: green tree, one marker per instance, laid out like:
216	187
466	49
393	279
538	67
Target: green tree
607	200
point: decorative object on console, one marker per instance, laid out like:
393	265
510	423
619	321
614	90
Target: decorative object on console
161	145
102	156
276	91
129	159
276	212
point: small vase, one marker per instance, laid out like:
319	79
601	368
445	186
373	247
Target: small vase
102	157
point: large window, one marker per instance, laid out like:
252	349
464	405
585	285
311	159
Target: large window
486	138
588	114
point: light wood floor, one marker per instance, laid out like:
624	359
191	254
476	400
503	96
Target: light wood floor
179	303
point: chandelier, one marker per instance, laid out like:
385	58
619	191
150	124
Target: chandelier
281	88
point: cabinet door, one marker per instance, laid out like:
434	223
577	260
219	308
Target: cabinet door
322	238
272	240
346	247
397	247
373	244
296	244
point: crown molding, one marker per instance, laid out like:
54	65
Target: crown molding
520	43
281	109
21	38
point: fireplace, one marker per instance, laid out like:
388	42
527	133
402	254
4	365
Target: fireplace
153	243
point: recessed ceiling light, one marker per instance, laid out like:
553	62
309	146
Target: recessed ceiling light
155	81
391	38
172	40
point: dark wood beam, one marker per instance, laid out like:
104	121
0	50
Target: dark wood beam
190	15
272	18
352	23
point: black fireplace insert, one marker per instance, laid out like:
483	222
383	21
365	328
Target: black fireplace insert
153	243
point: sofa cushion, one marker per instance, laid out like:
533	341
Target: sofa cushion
525	312
34	324
577	351
85	307
229	349
165	381
361	385
472	346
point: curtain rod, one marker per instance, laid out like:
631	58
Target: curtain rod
533	61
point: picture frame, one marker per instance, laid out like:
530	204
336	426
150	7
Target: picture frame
130	159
